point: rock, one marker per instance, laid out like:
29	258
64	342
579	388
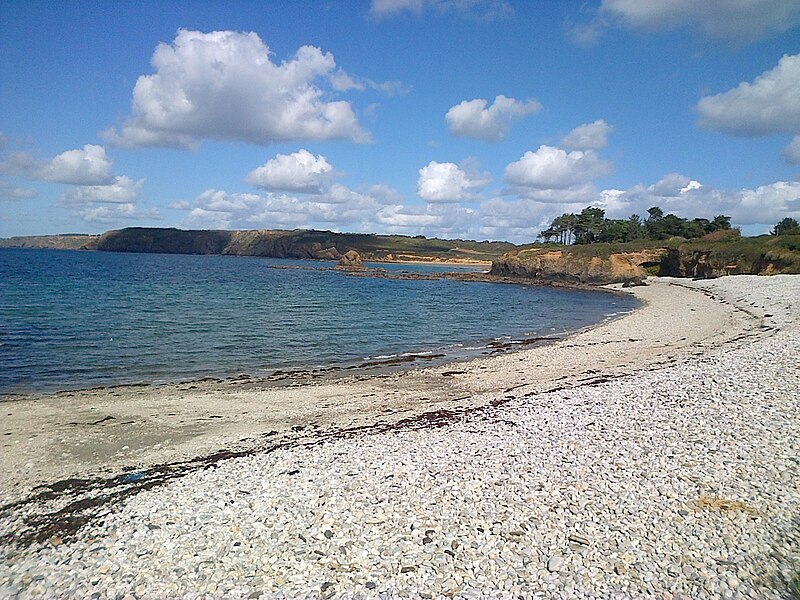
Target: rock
351	260
370	585
555	563
578	539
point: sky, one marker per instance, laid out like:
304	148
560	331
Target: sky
472	119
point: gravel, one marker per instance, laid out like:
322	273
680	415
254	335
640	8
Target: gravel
676	482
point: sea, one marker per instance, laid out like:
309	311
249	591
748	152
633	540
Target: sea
77	319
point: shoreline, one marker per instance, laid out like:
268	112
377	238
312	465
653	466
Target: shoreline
102	431
655	454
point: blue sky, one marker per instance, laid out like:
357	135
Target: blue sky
479	119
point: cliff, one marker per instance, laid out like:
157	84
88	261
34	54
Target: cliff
66	241
600	264
566	266
299	243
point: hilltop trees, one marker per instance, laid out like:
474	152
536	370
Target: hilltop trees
590	226
787	226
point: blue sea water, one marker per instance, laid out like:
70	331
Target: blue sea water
71	319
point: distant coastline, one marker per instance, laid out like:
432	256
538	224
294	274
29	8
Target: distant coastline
580	265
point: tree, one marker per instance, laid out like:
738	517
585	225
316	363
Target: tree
720	222
652	225
589	225
787	226
635	228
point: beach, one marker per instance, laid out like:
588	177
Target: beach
655	454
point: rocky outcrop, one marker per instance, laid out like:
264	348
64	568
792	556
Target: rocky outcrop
351	260
566	267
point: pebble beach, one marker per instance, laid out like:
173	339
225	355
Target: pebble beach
673	476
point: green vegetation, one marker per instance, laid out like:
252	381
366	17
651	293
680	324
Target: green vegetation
591	227
787	226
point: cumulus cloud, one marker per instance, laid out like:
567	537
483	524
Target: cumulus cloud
115	203
223	85
447	182
300	171
87	166
486	10
735	21
472	118
591	136
768	105
554	168
123	190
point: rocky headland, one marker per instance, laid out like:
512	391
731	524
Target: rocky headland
601	264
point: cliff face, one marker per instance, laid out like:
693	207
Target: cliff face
600	264
164	241
299	243
563	266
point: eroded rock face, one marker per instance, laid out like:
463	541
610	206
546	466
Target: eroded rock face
558	266
351	260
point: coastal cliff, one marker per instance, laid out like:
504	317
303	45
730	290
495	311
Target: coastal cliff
600	264
721	253
298	243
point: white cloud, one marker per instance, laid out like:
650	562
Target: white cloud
591	136
486	10
688	198
554	168
180	205
87	166
111	204
385	194
109	213
672	185
223	85
792	152
447	182
300	172
771	104
471	118
123	190
738	21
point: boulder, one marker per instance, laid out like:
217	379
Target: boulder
351	260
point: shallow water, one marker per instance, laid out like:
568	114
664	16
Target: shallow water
71	319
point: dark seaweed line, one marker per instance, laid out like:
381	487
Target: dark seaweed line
65	523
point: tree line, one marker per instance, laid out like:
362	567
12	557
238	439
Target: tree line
590	226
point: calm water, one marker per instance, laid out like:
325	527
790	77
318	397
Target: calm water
77	319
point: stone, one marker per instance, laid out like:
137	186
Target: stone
351	260
555	563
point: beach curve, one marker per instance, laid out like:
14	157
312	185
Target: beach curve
681	323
